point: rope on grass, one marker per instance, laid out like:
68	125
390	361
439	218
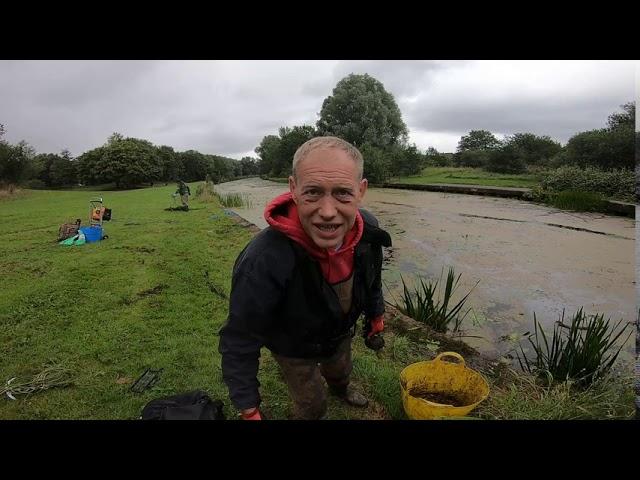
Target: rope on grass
52	376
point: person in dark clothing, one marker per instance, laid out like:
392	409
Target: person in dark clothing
300	285
184	191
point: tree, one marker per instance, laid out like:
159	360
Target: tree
377	164
222	168
115	137
607	148
472	158
626	119
361	111
434	158
405	160
276	152
196	166
532	149
506	159
267	152
478	140
16	161
129	162
290	140
604	148
62	171
55	170
170	164
237	169
249	166
87	167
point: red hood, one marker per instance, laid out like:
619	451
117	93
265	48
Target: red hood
282	214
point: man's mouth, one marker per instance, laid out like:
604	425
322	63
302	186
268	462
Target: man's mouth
328	228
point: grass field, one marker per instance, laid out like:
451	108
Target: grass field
108	310
469	176
154	295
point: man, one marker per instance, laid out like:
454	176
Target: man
184	191
300	285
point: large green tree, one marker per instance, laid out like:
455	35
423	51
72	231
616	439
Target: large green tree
16	161
360	111
405	160
377	163
505	159
478	140
55	170
276	152
533	149
435	158
604	148
607	148
267	152
87	168
196	165
624	119
249	166
171	164
129	162
290	140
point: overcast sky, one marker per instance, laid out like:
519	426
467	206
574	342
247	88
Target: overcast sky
227	107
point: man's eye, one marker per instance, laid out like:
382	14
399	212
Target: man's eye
343	194
312	192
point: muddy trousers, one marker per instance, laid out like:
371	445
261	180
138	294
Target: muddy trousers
303	377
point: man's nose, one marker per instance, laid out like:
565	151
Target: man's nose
327	208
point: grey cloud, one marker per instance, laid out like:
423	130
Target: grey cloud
227	107
559	118
400	77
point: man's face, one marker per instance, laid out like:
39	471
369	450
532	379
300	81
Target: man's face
328	193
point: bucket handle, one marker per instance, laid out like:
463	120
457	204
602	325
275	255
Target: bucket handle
450	354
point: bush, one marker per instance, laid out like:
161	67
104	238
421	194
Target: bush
35	184
604	148
471	158
580	351
9	191
617	184
577	200
506	159
207	193
377	165
424	306
433	158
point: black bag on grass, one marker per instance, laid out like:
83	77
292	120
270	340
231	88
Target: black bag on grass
196	405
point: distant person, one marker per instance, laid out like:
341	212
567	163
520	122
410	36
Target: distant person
299	287
184	191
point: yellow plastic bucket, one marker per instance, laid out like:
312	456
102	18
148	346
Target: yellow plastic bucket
438	388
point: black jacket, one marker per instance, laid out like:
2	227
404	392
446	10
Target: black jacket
280	299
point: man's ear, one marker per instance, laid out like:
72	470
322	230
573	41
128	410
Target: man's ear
292	188
364	183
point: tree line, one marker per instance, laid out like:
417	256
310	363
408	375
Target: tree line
362	112
124	161
359	110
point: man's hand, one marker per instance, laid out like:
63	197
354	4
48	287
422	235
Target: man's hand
251	414
377	325
373	329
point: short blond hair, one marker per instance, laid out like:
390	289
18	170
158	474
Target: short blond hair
328	142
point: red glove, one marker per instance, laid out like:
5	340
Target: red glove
252	414
377	325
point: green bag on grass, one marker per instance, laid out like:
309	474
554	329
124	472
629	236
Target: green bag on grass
75	240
